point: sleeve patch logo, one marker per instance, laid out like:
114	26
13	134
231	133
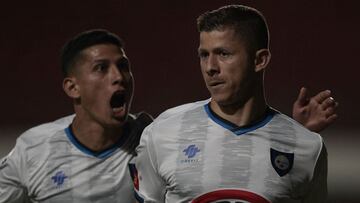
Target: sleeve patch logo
134	175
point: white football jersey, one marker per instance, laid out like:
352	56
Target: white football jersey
48	164
193	155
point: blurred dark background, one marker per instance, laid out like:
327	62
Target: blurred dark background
313	44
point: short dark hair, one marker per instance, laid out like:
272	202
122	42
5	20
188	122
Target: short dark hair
248	22
73	47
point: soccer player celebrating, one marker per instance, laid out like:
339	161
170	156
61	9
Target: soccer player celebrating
233	147
84	158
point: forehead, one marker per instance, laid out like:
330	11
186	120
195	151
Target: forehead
220	38
102	51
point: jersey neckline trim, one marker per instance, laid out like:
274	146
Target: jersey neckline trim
239	130
102	154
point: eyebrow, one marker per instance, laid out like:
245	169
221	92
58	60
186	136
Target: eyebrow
201	50
100	60
215	50
220	49
122	57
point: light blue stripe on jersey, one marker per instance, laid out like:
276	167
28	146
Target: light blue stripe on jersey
237	129
102	154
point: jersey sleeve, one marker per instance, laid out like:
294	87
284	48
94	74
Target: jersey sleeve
318	185
151	186
12	189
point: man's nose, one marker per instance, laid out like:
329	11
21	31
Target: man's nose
116	75
212	65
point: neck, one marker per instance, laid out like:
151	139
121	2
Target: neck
93	135
242	113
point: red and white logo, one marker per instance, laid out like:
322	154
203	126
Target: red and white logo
230	196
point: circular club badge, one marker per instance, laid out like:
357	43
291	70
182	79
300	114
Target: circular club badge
230	196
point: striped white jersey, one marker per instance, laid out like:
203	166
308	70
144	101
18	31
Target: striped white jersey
48	164
193	155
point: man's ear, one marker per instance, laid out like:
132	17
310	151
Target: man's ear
71	87
262	59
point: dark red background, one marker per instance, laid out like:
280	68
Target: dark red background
313	43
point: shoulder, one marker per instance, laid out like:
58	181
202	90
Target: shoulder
287	136
173	118
32	144
171	122
42	132
135	126
288	133
178	110
288	125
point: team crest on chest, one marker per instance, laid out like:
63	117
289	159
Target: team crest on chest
282	162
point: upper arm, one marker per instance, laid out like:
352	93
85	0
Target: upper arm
151	187
12	187
318	185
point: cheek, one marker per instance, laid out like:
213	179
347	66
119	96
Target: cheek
237	77
202	64
203	70
130	88
130	79
92	91
205	77
128	82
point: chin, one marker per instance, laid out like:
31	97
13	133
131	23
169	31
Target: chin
225	100
120	119
220	99
116	123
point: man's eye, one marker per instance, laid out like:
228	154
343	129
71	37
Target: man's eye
203	55
224	54
100	67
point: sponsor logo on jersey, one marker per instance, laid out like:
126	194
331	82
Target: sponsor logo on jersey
230	196
190	153
282	162
59	178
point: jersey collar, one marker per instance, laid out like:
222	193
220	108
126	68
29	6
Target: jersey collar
239	130
102	154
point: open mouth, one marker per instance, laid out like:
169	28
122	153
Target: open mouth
117	99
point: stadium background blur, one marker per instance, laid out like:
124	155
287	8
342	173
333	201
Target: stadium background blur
313	43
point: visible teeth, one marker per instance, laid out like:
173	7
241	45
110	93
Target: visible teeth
117	108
